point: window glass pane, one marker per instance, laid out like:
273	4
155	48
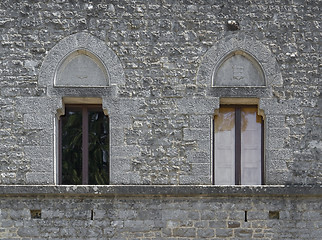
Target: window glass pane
250	146
225	147
72	147
98	160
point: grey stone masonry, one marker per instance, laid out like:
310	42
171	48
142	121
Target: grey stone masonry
160	212
160	69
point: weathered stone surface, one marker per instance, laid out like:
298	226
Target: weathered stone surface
160	59
117	217
239	69
82	69
162	190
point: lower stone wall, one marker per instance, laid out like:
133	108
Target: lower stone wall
230	217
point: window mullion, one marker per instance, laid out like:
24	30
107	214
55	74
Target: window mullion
60	151
213	150
238	146
262	153
84	145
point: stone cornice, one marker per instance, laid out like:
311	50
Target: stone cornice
73	191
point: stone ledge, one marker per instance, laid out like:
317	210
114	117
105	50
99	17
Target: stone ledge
159	191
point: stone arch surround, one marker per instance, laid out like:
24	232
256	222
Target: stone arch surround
238	68
271	108
81	68
118	109
234	43
77	42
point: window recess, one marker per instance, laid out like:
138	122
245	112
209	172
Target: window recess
238	146
84	145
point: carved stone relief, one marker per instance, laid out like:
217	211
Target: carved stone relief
81	68
239	61
238	69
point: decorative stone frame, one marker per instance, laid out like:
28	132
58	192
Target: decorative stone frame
90	59
253	65
239	43
84	42
273	111
118	109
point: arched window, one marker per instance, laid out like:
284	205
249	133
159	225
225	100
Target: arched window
240	73
81	75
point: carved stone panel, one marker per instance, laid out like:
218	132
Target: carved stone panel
81	68
238	69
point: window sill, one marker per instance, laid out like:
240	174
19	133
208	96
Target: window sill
160	191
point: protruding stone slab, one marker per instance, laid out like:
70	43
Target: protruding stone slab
159	191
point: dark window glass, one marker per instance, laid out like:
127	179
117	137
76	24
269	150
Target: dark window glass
84	146
98	148
72	147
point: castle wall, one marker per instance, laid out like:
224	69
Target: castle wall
160	60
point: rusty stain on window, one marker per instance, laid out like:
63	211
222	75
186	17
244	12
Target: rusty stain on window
225	120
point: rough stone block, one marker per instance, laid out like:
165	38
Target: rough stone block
40	177
200	121
124	106
125	151
38	151
174	215
120	165
38	121
284	154
205	233
198	157
197	106
200	169
38	105
244	233
119	120
273	121
41	164
196	134
117	136
223	233
195	179
233	224
184	232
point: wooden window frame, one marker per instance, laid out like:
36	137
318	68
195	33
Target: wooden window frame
238	144
84	108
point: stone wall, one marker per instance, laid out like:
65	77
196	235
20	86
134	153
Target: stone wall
179	218
160	57
161	213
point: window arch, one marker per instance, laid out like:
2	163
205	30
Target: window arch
241	74
81	68
236	48
238	68
85	48
81	75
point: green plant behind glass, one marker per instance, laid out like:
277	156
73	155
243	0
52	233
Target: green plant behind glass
72	148
98	148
